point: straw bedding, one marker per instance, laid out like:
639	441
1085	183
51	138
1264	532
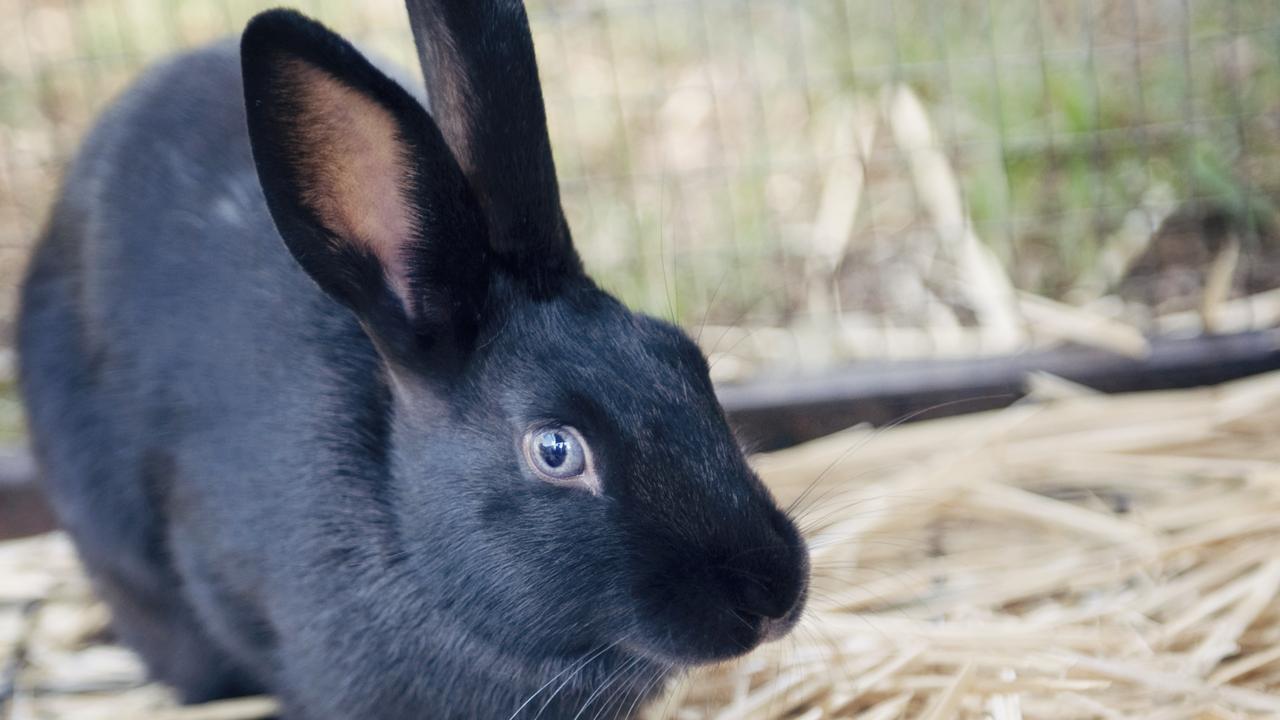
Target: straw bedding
1077	557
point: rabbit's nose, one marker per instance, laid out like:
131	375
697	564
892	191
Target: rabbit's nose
766	584
773	611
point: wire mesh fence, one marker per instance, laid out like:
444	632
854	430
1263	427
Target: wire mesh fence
806	181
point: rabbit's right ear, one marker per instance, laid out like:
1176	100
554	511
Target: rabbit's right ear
365	192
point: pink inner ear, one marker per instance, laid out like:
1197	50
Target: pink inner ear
354	171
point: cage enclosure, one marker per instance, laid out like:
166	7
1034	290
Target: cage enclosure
866	213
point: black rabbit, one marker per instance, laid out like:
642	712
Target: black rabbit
409	462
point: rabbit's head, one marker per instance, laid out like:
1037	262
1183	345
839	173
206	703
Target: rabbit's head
561	475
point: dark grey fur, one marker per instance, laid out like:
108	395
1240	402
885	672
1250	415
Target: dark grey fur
288	489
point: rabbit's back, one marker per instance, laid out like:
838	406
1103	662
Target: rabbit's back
178	368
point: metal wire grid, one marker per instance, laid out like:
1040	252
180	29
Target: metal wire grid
696	137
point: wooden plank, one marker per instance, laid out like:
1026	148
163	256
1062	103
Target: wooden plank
23	510
772	413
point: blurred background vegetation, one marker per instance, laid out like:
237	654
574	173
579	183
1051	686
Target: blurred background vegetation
820	180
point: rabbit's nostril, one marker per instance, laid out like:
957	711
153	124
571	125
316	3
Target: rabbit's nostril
756	599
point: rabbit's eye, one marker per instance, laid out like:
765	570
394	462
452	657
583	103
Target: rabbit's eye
559	455
558	452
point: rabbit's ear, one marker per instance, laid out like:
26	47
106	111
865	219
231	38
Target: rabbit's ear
364	190
482	81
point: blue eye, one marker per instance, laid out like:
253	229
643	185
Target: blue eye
556	453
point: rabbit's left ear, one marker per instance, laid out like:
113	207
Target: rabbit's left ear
482	80
364	190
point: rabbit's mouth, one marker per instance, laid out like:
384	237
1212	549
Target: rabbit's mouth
690	631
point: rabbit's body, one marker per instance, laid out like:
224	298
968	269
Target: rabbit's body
163	280
155	310
277	494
